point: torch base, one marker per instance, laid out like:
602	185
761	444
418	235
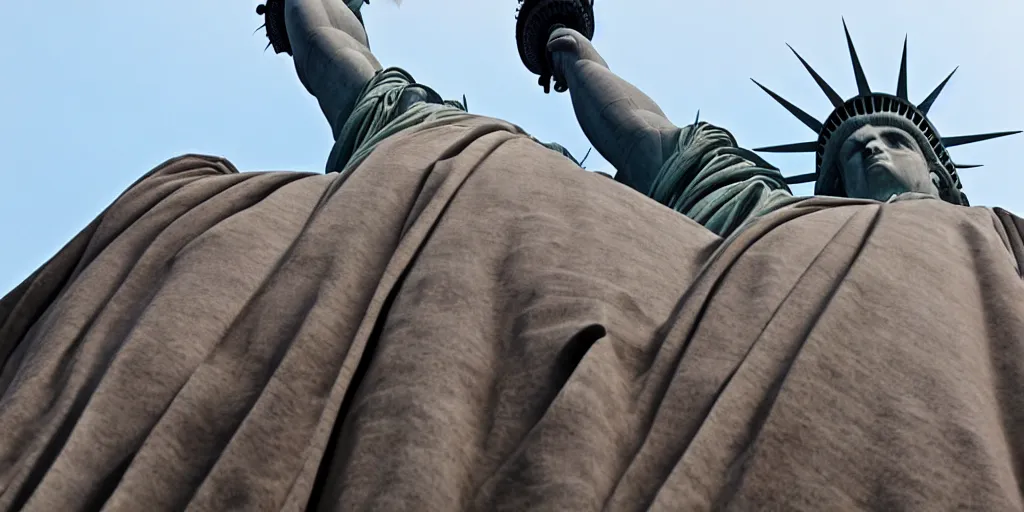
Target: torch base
536	20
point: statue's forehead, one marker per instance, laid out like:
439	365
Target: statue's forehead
875	129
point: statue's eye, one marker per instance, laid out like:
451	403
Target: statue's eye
896	141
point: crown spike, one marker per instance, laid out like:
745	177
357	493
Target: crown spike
966	166
693	131
901	85
926	105
969	139
827	89
798	147
804	117
858	72
801	178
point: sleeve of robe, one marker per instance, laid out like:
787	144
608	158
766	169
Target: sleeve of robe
378	115
713	181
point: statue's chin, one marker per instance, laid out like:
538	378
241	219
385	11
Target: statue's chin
881	169
906	196
887	193
882	182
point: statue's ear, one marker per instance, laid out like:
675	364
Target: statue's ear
940	177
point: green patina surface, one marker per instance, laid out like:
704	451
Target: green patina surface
716	183
379	114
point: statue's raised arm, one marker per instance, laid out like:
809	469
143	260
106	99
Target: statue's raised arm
331	51
364	103
698	170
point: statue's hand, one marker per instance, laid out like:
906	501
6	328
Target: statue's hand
568	47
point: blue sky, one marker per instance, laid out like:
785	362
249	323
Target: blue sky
94	94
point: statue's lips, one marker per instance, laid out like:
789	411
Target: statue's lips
877	163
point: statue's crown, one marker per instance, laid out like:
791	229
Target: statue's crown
869	103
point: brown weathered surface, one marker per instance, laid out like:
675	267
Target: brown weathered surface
496	329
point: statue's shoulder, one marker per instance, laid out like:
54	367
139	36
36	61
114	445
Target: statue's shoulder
195	165
214	172
192	163
1013	227
183	168
1003	213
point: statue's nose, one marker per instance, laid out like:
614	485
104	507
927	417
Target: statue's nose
872	148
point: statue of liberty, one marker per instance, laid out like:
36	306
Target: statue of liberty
456	316
876	146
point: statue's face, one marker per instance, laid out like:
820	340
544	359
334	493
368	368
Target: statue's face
878	162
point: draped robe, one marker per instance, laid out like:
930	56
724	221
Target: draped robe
469	321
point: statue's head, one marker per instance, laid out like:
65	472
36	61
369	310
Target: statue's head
878	155
877	145
877	162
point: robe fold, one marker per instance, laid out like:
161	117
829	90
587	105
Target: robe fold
714	181
468	321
